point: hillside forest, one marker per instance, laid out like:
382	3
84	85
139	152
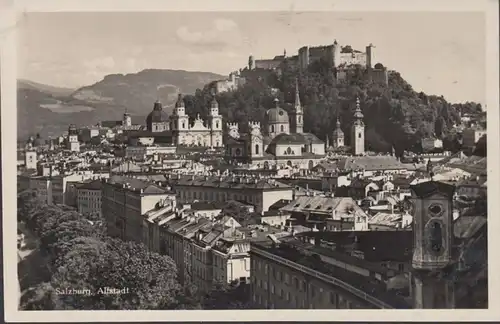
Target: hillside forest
395	115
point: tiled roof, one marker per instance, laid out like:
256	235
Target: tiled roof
317	204
425	189
230	182
146	186
92	185
370	163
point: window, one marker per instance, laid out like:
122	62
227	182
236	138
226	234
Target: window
359	135
256	148
296	283
282	128
217	125
333	298
272	128
272	289
287	278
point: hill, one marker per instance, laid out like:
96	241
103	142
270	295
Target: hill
53	90
395	115
48	110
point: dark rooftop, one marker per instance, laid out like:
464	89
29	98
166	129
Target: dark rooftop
426	189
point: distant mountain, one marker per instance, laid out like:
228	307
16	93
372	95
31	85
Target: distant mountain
48	110
55	91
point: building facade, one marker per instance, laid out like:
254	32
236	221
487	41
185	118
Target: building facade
88	199
261	193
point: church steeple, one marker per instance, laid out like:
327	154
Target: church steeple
338	135
358	131
358	114
299	113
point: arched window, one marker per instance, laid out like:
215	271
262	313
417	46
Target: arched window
288	151
300	119
282	128
272	128
359	135
311	164
256	148
183	125
436	237
217	125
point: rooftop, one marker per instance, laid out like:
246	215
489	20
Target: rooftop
132	183
311	258
229	182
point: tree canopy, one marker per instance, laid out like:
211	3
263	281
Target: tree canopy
83	258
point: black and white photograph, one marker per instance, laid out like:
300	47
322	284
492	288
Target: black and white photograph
242	160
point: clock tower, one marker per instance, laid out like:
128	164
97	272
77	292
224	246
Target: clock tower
432	211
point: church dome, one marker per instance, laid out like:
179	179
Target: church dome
277	115
158	115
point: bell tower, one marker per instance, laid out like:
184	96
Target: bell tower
432	211
299	112
358	131
215	124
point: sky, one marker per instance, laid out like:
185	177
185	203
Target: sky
438	53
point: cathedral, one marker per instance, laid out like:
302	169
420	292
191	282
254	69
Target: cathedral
176	129
282	143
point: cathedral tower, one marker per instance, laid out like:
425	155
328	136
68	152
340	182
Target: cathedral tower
256	144
431	206
299	112
338	135
358	131
215	124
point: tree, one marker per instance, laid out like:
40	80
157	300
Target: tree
481	147
148	279
41	297
28	201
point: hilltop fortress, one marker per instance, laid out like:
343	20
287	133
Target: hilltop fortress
343	59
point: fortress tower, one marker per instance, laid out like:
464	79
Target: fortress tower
358	131
370	59
251	62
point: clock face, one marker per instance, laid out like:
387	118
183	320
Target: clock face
436	210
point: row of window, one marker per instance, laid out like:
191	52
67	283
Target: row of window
218	196
299	285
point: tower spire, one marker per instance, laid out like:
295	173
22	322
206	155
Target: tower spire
297	93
